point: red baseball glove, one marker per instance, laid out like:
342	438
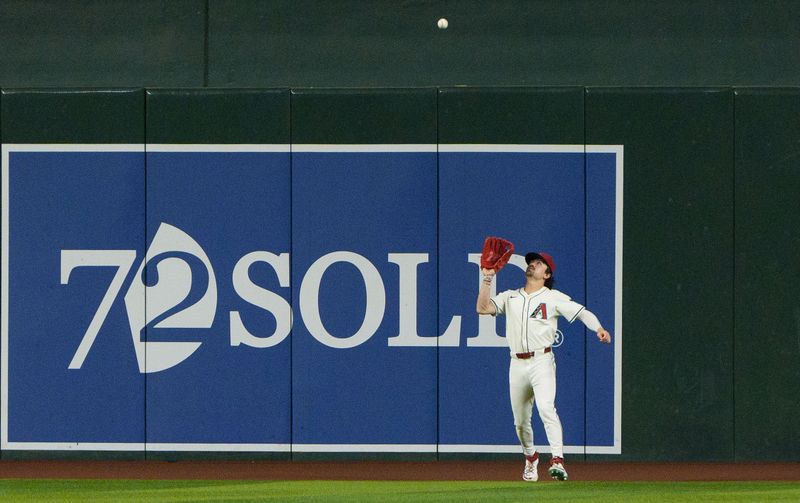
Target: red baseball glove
496	253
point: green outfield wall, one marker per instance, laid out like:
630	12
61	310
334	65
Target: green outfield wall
703	96
710	322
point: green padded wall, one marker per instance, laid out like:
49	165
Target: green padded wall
218	116
678	267
511	115
708	372
767	321
350	116
259	190
74	116
403	200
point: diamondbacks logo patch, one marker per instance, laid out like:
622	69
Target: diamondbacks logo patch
540	312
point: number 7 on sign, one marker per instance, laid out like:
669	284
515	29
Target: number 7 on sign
72	259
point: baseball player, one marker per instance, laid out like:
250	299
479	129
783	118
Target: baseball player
532	314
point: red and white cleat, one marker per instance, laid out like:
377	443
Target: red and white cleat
557	470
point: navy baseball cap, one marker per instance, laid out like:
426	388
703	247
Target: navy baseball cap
544	257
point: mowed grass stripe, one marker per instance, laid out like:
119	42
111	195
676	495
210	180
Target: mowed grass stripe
22	490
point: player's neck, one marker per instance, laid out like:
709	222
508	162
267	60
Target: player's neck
533	285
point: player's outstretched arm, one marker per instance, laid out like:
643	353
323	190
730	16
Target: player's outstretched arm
484	304
592	323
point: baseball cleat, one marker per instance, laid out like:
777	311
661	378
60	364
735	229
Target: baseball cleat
557	470
531	474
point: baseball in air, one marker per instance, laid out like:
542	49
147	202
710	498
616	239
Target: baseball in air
442	24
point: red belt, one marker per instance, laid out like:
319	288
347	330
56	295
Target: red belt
525	356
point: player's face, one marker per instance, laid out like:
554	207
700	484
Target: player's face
537	269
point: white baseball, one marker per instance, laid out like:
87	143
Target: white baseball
442	24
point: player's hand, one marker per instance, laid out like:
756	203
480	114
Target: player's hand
488	272
604	336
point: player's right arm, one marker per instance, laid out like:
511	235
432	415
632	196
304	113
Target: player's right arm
485	304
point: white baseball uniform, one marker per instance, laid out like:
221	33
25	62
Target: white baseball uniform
531	324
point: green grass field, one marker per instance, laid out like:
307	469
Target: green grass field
12	490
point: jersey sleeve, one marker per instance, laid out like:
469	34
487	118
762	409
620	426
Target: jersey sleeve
499	302
568	308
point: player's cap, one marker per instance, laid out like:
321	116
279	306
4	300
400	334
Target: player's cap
544	257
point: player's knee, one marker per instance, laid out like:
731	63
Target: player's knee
548	413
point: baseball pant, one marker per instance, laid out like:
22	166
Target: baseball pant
534	380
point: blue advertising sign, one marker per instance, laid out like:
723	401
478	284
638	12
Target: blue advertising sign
312	299
73	227
365	274
540	198
535	200
217	296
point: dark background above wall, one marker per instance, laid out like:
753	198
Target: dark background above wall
349	43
